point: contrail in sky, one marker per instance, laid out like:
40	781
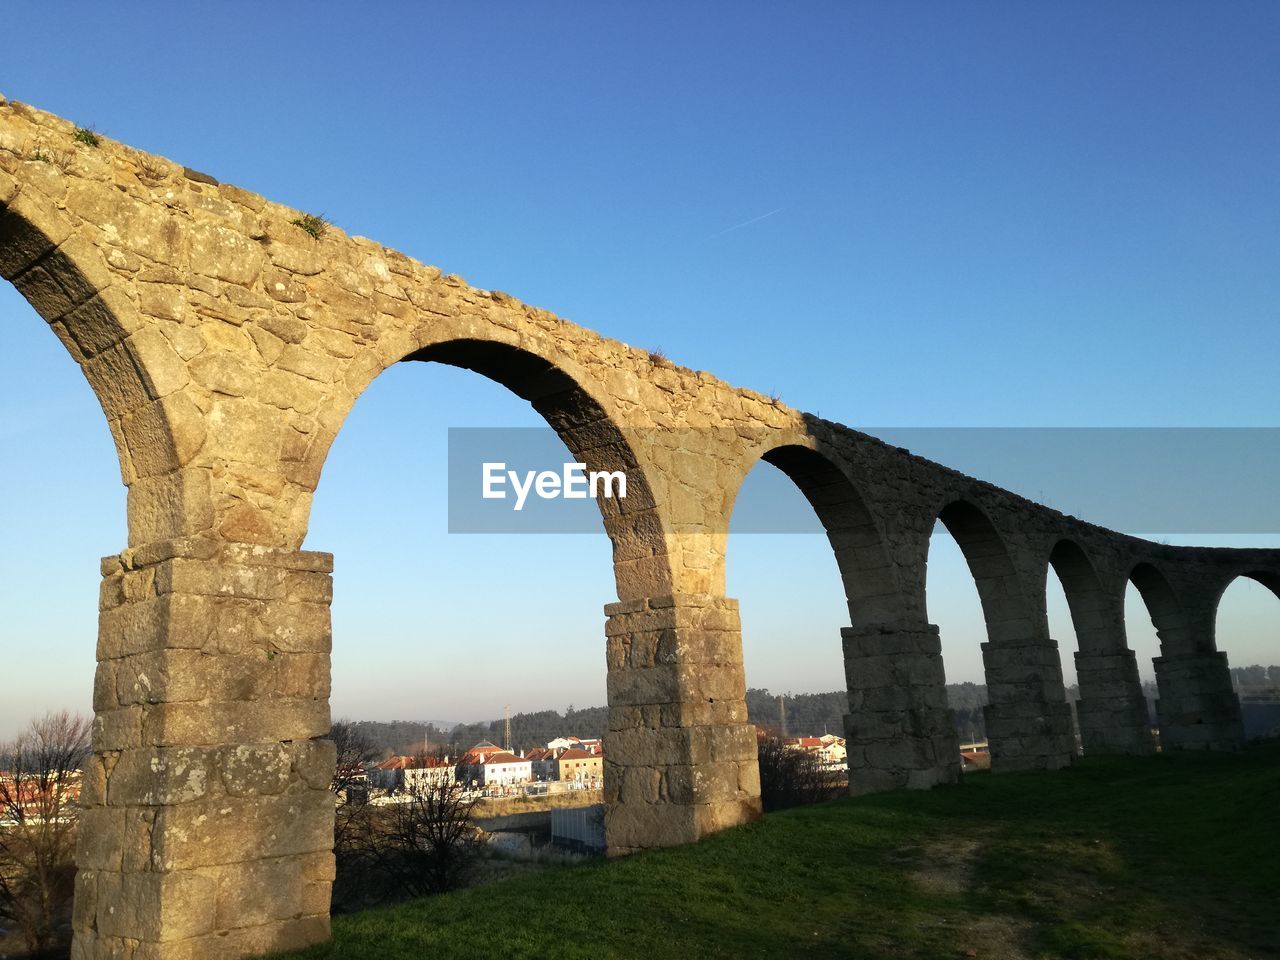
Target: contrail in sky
744	223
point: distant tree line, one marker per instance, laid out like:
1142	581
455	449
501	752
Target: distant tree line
806	715
528	730
813	714
1256	679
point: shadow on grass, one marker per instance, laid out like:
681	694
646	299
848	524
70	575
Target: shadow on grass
1170	856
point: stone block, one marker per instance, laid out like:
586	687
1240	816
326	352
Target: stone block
242	829
158	776
155	906
249	721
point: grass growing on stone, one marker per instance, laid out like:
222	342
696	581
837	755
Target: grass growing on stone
312	224
1173	857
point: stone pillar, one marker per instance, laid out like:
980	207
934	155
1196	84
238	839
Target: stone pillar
680	757
899	730
1197	709
1028	718
1112	708
207	827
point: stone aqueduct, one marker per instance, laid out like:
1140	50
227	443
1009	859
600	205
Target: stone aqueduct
226	346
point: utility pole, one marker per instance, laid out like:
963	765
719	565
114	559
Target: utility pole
782	715
506	742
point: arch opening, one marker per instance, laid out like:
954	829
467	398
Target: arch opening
1110	711
1004	607
793	595
866	571
72	513
67	510
1162	607
589	433
455	628
955	606
1086	601
65	279
1247	630
1028	723
1075	589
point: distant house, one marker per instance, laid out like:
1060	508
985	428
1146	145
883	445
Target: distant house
36	796
543	764
487	765
576	765
592	746
828	749
427	772
833	752
479	752
389	774
504	769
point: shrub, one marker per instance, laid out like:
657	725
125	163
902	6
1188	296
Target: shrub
792	778
312	224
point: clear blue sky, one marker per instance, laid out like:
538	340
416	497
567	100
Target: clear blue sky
890	214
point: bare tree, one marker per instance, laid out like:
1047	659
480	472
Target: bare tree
353	819
356	750
791	778
428	843
39	793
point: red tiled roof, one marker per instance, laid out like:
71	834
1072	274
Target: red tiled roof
425	763
502	758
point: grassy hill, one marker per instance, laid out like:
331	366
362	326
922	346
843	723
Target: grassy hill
1163	857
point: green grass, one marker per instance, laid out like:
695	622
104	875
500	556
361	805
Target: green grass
1172	857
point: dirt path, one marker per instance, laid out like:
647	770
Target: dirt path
946	868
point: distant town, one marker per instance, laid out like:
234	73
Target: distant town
565	763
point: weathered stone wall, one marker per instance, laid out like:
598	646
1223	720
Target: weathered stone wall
227	344
208	822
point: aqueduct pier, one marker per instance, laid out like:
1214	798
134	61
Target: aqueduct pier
226	345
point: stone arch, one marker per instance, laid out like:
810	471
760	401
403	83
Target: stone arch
861	553
1091	614
1197	707
1269	579
898	732
1166	612
134	372
1111	711
1028	720
634	525
1004	603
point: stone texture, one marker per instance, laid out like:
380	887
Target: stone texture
226	348
898	731
679	754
